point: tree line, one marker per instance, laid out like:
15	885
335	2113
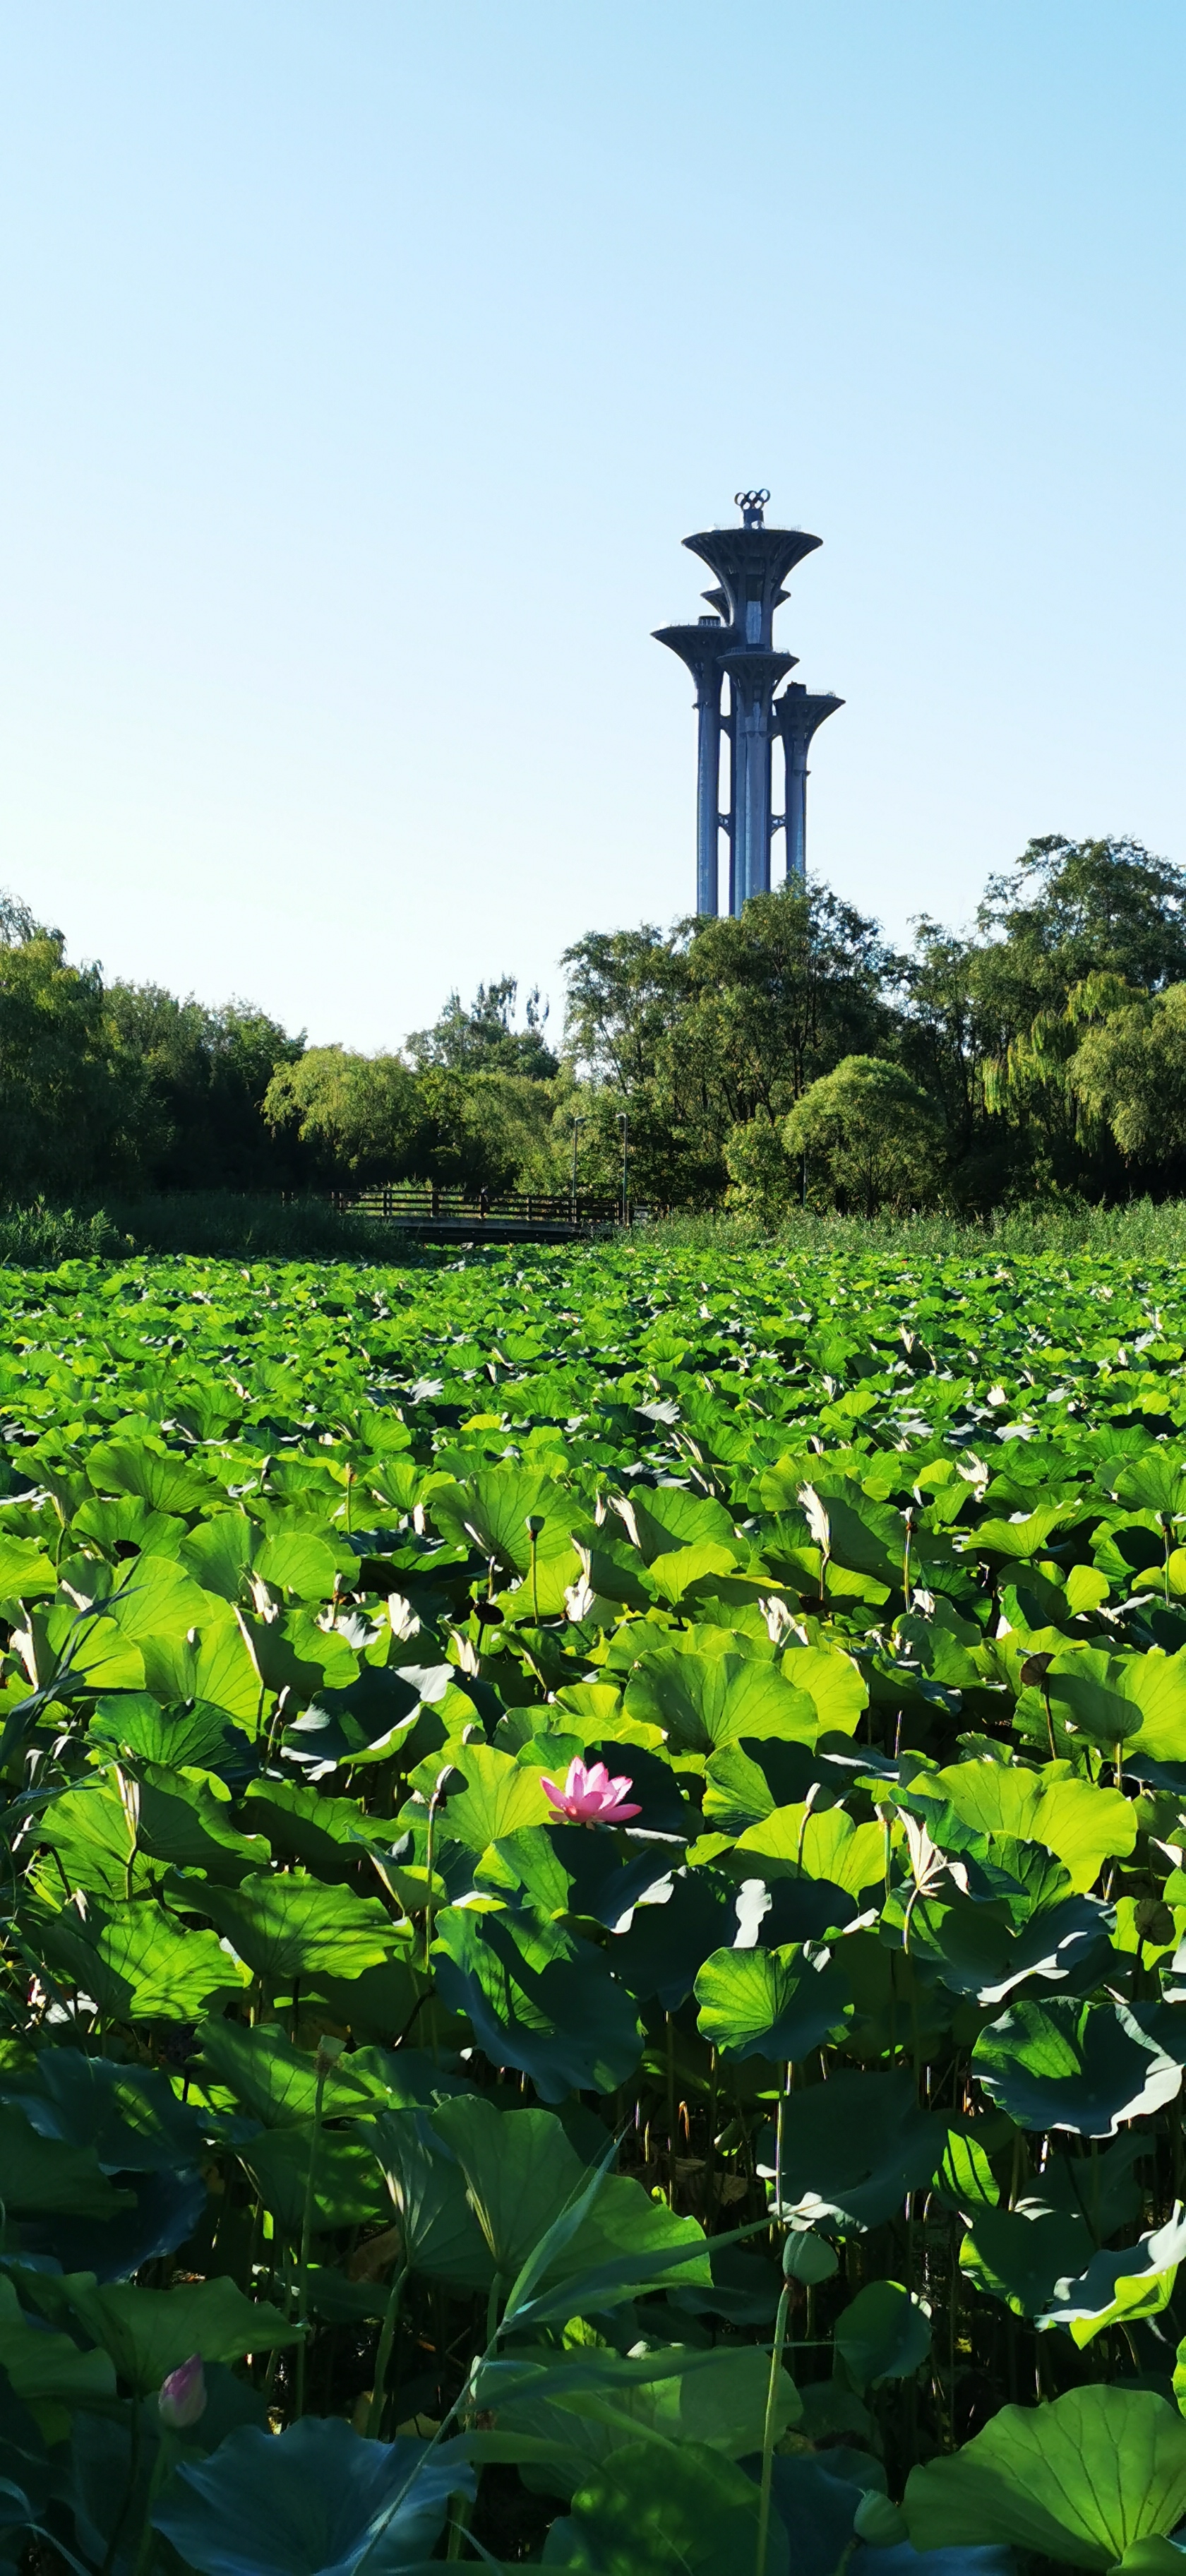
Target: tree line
789	1055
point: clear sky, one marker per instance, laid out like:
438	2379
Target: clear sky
362	365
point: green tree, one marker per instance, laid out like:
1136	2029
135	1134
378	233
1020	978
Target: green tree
203	1077
871	1132
360	1117
763	1180
482	1039
68	1110
367	1118
776	998
622	988
1128	1074
1071	909
697	1032
1071	921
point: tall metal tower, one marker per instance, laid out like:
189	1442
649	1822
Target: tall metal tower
735	643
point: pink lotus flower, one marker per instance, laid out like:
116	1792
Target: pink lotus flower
181	2397
590	1797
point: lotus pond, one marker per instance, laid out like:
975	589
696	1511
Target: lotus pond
594	1915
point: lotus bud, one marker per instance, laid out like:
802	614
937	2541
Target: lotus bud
182	2396
329	2050
808	2258
534	1524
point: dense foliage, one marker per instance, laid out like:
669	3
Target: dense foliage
788	1058
392	2164
1047	1048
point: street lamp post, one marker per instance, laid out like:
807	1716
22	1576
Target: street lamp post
624	1124
577	1125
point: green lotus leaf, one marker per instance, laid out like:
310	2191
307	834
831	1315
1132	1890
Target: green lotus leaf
548	2006
491	1512
71	1651
289	1927
629	2518
26	1572
666	1943
192	1734
501	1796
964	2178
124	1522
149	2333
90	1829
1080	2480
682	1569
327	1835
777	2003
184	1817
219	1552
347	2189
832	1682
139	1963
379	2004
277	2083
1157	1683
293	1653
976	1952
587	2401
669	1520
298	1561
524	2179
440	2234
1019	2255
47	2371
1154	1483
1070	2065
1099	2186
1079	1822
129	2115
1115	2288
166	1483
805	1842
156	1603
40	2174
702	1701
737	1793
315	2500
1020	1538
213	1665
884	2333
851	2150
1099	1711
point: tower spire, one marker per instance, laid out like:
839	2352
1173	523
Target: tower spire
736	643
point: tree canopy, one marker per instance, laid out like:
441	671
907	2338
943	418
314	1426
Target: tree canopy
1040	1051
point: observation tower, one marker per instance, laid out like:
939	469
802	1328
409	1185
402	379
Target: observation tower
735	643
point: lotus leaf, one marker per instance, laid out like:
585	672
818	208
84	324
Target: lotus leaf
774	2003
1081	2480
1080	2066
316	2500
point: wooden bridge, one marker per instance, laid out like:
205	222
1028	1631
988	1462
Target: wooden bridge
438	1213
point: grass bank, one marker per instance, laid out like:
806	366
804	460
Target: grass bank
1140	1231
224	1225
220	1225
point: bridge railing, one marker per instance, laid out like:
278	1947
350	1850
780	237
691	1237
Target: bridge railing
395	1200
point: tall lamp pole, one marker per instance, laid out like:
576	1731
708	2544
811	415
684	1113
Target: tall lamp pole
624	1124
577	1125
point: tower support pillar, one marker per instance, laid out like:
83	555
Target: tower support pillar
753	678
797	716
708	793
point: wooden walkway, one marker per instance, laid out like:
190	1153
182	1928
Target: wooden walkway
445	1215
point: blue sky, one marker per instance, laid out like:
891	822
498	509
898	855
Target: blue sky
363	366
